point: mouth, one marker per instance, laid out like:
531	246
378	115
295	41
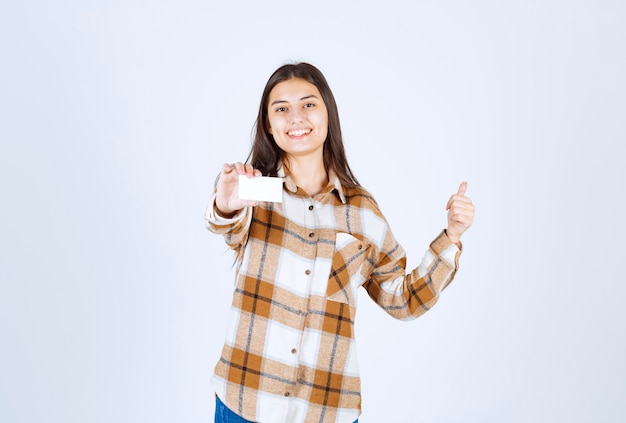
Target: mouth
299	132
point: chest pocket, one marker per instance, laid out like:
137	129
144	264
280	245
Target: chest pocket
345	273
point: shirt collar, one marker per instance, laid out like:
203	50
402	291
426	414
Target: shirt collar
333	183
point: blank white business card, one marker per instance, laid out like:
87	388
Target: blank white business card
261	188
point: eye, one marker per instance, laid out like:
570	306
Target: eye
308	105
281	109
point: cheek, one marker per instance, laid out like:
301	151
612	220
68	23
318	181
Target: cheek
324	134
323	127
275	123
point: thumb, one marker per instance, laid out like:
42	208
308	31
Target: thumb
462	188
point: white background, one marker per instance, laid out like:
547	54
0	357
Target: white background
116	116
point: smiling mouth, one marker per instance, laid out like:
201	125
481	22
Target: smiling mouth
298	132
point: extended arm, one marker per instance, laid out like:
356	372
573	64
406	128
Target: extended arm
407	296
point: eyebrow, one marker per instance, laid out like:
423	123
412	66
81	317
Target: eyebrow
306	97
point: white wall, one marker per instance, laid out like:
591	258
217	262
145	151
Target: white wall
115	117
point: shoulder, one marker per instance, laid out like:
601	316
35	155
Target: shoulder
360	197
363	199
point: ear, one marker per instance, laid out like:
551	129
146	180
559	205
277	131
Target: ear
269	129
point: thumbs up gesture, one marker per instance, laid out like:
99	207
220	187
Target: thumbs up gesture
460	214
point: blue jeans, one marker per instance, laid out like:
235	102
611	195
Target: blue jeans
223	414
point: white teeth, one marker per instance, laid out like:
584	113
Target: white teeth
299	132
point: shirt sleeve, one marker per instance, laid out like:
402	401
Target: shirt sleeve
234	229
408	296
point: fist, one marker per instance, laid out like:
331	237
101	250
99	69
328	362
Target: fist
460	214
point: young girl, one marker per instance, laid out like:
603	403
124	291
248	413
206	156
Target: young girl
290	353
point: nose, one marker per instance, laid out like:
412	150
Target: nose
296	116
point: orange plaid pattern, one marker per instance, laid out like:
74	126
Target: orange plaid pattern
289	354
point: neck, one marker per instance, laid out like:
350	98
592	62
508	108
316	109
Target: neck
310	175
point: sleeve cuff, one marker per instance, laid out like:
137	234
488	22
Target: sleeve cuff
443	247
214	218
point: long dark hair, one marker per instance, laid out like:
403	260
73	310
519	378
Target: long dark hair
266	156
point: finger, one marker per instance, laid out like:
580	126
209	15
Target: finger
460	219
240	168
462	188
460	205
223	177
462	208
459	199
460	192
249	203
460	212
249	170
257	172
456	218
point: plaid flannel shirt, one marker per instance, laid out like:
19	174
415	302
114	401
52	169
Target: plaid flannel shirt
290	353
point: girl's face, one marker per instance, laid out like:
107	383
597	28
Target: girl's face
298	118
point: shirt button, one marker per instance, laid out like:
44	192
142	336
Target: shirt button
307	272
287	394
311	234
311	207
360	246
293	350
